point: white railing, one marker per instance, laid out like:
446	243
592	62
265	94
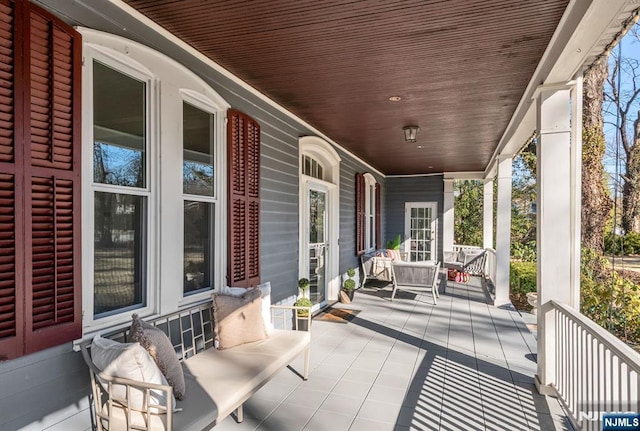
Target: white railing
459	247
490	265
595	372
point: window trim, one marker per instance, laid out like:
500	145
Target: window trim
135	70
370	239
219	119
172	83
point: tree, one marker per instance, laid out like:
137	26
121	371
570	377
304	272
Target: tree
596	203
523	196
621	102
468	212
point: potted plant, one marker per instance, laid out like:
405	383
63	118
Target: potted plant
349	284
301	317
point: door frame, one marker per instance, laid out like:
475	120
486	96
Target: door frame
323	152
406	246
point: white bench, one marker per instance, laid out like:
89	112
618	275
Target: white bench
218	382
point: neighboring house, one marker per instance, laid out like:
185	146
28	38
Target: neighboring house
136	175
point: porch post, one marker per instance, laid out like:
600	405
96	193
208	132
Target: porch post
448	216
554	220
503	231
487	219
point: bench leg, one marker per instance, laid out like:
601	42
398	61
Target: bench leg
307	357
239	414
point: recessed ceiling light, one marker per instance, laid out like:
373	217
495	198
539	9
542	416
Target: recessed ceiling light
430	167
420	147
395	98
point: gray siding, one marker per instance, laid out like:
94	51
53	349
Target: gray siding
348	169
412	189
43	389
49	390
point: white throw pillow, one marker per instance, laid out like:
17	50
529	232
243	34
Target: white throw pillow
129	361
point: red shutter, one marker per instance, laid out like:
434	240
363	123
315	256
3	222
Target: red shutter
52	182
243	153
40	286
360	214
11	241
378	237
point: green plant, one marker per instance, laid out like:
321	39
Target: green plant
303	285
394	244
522	280
351	272
303	302
349	284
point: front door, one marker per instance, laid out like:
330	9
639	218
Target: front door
317	199
420	223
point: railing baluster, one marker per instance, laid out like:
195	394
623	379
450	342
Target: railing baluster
595	372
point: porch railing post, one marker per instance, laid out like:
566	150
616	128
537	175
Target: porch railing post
487	220
554	220
503	231
448	216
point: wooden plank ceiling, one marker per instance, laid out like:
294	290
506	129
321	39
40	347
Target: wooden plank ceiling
460	67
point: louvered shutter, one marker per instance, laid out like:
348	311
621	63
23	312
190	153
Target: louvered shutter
360	214
243	153
11	243
52	182
40	297
378	237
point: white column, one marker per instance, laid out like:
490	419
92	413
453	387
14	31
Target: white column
448	216
576	191
487	219
554	220
503	231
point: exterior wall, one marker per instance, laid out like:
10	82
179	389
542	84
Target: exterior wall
50	389
348	169
412	189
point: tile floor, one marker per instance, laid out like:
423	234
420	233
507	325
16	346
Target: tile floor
409	365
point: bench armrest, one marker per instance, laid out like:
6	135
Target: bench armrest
105	400
283	316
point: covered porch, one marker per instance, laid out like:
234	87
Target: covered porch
407	364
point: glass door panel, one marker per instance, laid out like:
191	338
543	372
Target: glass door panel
420	231
317	245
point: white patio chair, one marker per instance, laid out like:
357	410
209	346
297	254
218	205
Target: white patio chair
416	277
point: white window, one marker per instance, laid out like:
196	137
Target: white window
152	143
198	168
370	211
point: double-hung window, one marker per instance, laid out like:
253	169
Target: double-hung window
121	189
198	184
152	230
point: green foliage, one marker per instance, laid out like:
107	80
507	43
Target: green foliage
522	278
468	212
523	195
393	244
622	244
303	285
349	284
303	302
524	251
352	271
608	299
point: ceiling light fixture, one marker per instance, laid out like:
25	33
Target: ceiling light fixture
395	98
410	133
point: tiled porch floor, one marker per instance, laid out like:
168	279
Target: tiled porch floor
410	365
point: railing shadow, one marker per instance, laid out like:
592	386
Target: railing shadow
453	390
